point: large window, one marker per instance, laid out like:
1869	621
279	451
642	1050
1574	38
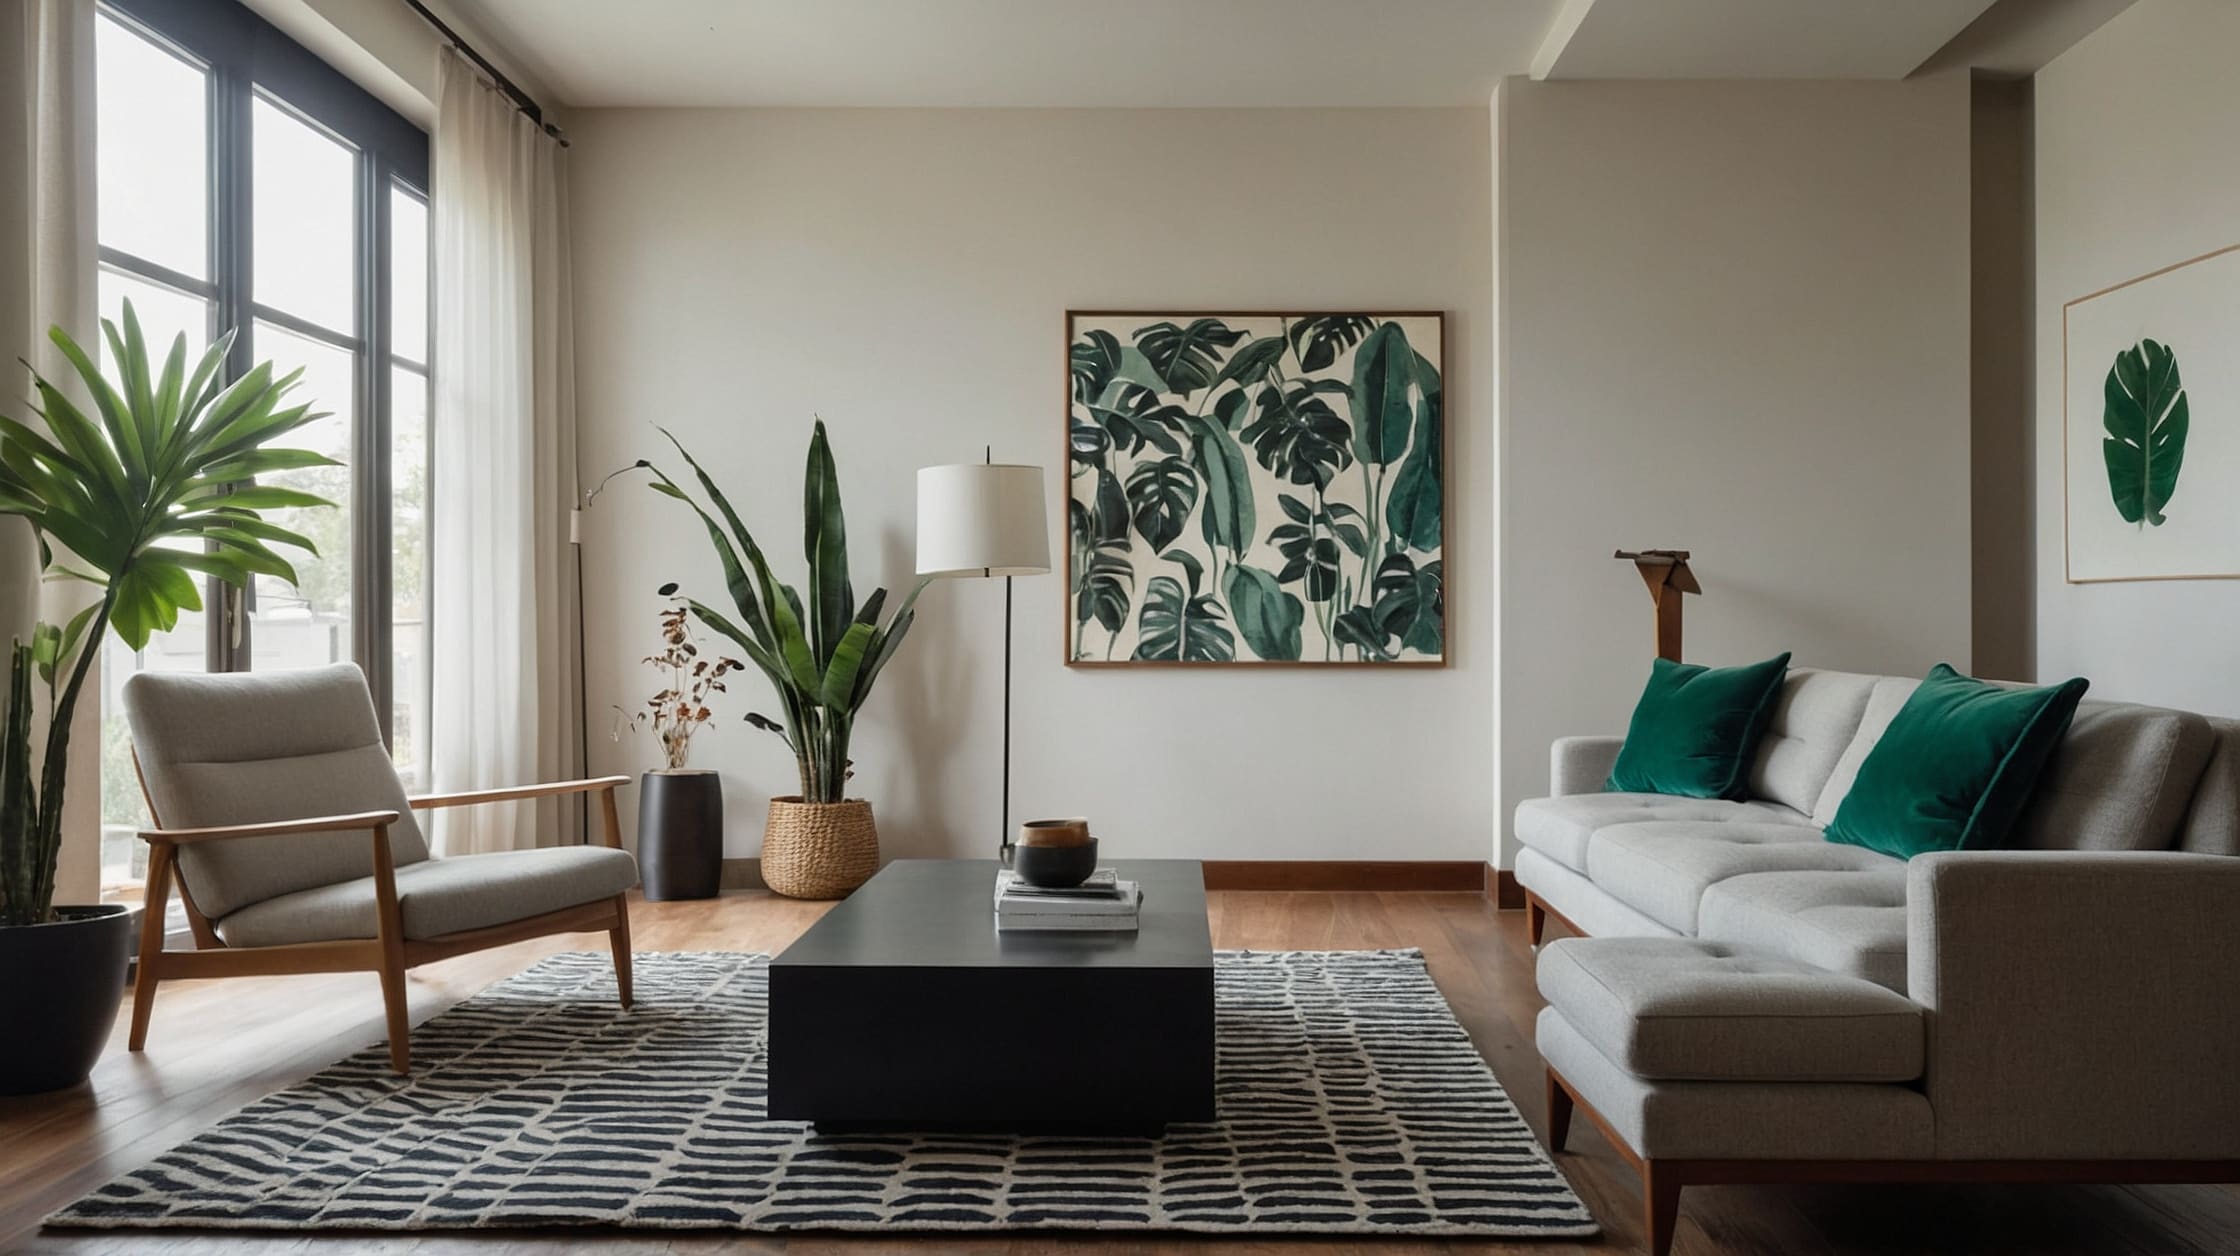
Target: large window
244	184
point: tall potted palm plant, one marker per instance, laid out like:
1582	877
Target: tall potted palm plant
154	490
822	655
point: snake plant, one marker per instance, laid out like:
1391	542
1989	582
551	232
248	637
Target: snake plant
154	490
821	654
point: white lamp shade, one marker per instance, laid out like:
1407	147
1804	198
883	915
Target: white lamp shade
981	520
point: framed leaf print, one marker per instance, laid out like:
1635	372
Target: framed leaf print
2151	425
1255	489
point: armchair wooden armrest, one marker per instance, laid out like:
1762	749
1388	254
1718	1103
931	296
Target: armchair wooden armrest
376	820
515	793
604	786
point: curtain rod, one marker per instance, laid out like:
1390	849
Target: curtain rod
521	100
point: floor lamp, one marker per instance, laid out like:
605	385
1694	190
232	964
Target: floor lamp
985	519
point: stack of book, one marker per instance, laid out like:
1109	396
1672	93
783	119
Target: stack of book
1103	903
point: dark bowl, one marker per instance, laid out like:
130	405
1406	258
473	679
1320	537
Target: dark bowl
1055	867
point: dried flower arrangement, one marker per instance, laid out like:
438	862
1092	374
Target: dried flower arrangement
681	707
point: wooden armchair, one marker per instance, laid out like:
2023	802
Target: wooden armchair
239	760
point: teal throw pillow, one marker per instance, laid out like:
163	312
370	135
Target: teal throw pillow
1956	766
1695	729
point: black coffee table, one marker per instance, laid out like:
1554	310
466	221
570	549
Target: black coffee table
903	1008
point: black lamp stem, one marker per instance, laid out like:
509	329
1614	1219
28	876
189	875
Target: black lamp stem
1004	849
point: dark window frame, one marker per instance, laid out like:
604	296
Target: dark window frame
244	58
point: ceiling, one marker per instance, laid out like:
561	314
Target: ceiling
1728	39
1194	53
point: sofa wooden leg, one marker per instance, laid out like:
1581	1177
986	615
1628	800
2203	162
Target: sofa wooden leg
619	938
1535	918
1559	1112
1660	1201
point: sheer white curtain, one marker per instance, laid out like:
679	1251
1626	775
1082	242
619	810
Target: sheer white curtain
47	279
503	476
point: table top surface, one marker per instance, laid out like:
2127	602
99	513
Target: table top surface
940	913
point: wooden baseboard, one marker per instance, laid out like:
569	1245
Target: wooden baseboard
1332	875
1324	875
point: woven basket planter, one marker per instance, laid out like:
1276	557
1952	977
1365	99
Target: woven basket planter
818	849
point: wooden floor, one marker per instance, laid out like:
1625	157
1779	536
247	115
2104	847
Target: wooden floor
217	1045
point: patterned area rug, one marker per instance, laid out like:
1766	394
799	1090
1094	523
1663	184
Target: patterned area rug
1350	1102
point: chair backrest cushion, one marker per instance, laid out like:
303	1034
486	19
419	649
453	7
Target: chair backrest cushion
2120	780
222	748
1814	719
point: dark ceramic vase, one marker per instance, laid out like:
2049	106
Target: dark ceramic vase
680	834
60	984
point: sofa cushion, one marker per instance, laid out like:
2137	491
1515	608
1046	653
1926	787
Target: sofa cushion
1696	729
441	896
1559	827
1850	922
1890	694
1814	719
1681	1009
1741	1120
1956	768
1662	868
2212	824
2119	781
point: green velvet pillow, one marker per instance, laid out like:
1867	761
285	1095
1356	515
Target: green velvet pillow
1956	766
1696	728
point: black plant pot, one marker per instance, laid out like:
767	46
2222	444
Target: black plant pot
680	834
59	988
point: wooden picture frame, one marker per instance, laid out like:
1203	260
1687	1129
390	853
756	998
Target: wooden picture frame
1242	439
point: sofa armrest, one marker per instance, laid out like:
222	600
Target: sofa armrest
1579	765
2080	1005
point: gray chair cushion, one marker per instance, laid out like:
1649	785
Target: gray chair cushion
1845	922
2120	780
440	896
250	747
1681	1009
1559	827
1662	869
1741	1120
1813	721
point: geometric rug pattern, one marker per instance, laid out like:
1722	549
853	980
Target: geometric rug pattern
1349	1101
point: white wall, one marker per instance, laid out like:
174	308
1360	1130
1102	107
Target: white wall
2138	166
905	274
1736	322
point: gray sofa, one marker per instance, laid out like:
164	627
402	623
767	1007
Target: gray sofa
1749	1002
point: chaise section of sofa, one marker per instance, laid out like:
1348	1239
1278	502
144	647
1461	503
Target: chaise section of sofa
2077	1003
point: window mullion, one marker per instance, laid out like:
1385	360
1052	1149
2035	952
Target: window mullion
232	222
370	564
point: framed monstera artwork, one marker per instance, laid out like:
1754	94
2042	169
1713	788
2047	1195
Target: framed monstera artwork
1255	489
2151	425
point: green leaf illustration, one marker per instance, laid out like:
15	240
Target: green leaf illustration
1254	362
1177	627
1228	519
1267	617
1298	436
1413	512
1161	496
2146	420
1187	358
1107	584
1384	395
1318	341
1411	602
